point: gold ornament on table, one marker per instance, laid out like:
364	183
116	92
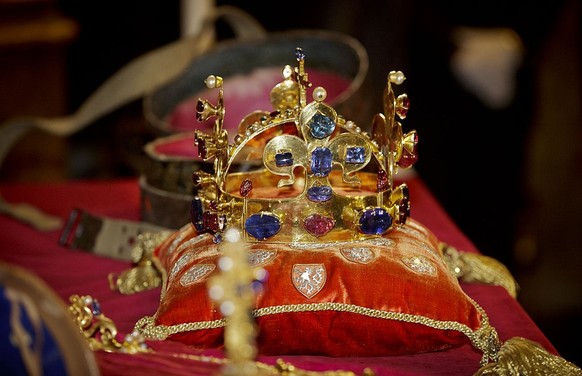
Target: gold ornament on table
99	330
145	274
321	178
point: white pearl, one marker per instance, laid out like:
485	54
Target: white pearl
319	94
397	77
210	81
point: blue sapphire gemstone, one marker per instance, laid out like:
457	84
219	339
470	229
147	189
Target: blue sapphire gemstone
299	54
196	214
319	193
321	126
262	226
96	308
284	159
355	155
321	161
375	221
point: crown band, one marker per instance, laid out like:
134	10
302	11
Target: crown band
318	177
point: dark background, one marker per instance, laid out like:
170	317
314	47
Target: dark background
509	177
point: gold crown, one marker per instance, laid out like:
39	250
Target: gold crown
310	175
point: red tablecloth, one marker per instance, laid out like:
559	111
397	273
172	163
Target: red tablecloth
74	272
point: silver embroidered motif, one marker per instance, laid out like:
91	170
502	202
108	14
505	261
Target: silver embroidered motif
420	265
362	255
411	231
382	242
192	242
427	247
259	257
373	241
196	273
176	241
309	279
178	265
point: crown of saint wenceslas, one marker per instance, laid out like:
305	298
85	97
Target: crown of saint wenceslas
301	173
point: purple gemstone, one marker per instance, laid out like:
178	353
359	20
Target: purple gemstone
319	193
321	161
375	221
355	155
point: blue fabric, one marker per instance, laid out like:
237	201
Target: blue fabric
11	361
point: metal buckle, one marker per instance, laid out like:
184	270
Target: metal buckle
80	230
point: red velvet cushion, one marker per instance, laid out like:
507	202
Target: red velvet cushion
391	296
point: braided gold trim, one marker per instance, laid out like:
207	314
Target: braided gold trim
483	338
146	326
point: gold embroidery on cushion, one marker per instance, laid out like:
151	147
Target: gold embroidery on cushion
361	255
259	257
309	279
196	273
420	265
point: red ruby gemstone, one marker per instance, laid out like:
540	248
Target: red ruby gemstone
199	110
201	148
407	158
318	225
246	187
382	181
402	106
210	221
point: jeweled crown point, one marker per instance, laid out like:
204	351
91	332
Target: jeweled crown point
299	53
311	175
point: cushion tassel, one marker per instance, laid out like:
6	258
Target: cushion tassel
143	276
146	273
522	357
474	267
